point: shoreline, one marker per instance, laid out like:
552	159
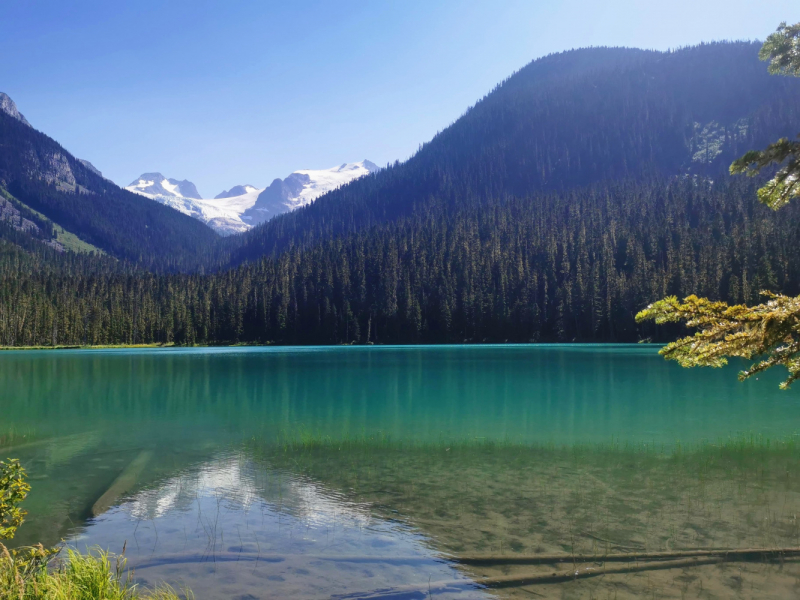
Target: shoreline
272	345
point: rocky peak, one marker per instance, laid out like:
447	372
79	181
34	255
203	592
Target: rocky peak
90	166
237	190
155	184
7	106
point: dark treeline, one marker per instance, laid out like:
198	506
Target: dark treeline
556	267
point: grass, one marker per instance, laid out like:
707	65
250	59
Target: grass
69	240
93	576
72	242
14	437
39	573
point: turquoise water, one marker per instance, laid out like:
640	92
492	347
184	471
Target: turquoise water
562	394
187	455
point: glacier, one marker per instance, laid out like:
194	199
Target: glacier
230	214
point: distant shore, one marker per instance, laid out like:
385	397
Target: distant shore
129	346
80	347
271	344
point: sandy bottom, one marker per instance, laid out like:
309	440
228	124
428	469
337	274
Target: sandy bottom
429	501
485	499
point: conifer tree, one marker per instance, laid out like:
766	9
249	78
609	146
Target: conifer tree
769	331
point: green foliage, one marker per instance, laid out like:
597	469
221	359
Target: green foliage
29	574
93	576
13	490
782	50
785	185
565	121
574	193
770	330
16	565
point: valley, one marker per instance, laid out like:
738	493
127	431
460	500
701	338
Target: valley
467	374
536	216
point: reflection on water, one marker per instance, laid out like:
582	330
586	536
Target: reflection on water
269	473
228	528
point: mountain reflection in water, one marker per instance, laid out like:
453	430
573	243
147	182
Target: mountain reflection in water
230	528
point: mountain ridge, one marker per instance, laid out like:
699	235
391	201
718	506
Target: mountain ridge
155	184
244	206
584	187
8	106
237	190
567	120
40	174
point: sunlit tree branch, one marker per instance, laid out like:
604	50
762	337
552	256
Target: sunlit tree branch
768	332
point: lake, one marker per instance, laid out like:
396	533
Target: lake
377	472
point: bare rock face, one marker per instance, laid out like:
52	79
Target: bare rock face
277	198
303	187
9	214
237	190
54	168
7	106
90	166
58	171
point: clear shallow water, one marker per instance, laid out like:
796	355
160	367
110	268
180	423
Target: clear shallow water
183	455
229	528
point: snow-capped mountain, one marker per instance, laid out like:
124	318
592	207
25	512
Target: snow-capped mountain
244	206
302	187
155	184
237	190
7	106
223	214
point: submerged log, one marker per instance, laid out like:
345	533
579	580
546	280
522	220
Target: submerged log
725	554
122	484
522	579
540	559
525	579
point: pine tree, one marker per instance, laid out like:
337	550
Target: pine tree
770	330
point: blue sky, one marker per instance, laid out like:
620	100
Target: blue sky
226	93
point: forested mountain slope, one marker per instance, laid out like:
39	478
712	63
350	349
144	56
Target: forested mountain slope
568	120
37	173
558	266
586	186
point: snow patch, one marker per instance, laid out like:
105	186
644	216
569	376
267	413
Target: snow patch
229	215
172	189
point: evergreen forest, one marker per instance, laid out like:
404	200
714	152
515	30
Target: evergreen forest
584	187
